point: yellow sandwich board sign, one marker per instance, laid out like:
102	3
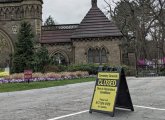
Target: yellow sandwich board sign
111	91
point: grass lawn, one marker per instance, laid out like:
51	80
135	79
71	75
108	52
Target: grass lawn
9	87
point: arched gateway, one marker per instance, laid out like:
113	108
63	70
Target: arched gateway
6	48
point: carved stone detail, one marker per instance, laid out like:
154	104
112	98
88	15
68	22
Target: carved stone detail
20	12
62	27
14	29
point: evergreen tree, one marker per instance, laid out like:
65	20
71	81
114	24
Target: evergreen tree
49	21
24	49
41	59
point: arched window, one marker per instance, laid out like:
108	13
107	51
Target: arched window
18	13
7	14
59	59
32	12
26	12
90	55
103	56
97	55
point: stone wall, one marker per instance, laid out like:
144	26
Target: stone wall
12	14
111	44
66	49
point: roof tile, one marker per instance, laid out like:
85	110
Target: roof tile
96	24
59	36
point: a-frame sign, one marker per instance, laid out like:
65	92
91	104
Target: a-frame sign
111	90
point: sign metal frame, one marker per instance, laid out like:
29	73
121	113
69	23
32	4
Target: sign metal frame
122	91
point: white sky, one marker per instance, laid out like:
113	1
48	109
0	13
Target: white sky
68	11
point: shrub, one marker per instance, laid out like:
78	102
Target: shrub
17	78
54	68
91	68
162	71
3	74
52	75
38	75
129	71
2	70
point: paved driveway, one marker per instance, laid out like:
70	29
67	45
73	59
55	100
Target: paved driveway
71	102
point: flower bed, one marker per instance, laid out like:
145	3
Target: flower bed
2	74
36	77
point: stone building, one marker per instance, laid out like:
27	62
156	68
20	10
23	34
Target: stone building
12	13
94	40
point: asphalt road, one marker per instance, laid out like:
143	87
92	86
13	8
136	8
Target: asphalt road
44	104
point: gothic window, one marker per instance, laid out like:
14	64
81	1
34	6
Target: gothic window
26	12
103	55
97	55
13	14
4	13
20	13
38	12
16	13
90	55
7	14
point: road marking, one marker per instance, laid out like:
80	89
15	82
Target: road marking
85	98
73	114
151	108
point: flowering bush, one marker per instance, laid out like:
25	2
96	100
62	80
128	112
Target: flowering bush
18	78
3	73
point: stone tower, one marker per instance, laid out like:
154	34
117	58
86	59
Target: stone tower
12	13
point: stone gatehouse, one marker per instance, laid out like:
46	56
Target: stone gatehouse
12	13
95	40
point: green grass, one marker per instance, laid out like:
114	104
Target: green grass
10	87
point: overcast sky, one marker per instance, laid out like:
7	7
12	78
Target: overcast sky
68	11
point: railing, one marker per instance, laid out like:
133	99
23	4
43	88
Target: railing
151	70
61	27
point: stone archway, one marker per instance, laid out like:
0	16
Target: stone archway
6	48
60	58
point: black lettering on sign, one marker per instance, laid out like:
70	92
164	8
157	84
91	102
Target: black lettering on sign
111	83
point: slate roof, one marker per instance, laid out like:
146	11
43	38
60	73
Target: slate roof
57	33
12	1
96	24
9	1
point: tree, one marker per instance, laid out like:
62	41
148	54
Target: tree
41	59
158	32
24	49
49	21
140	21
